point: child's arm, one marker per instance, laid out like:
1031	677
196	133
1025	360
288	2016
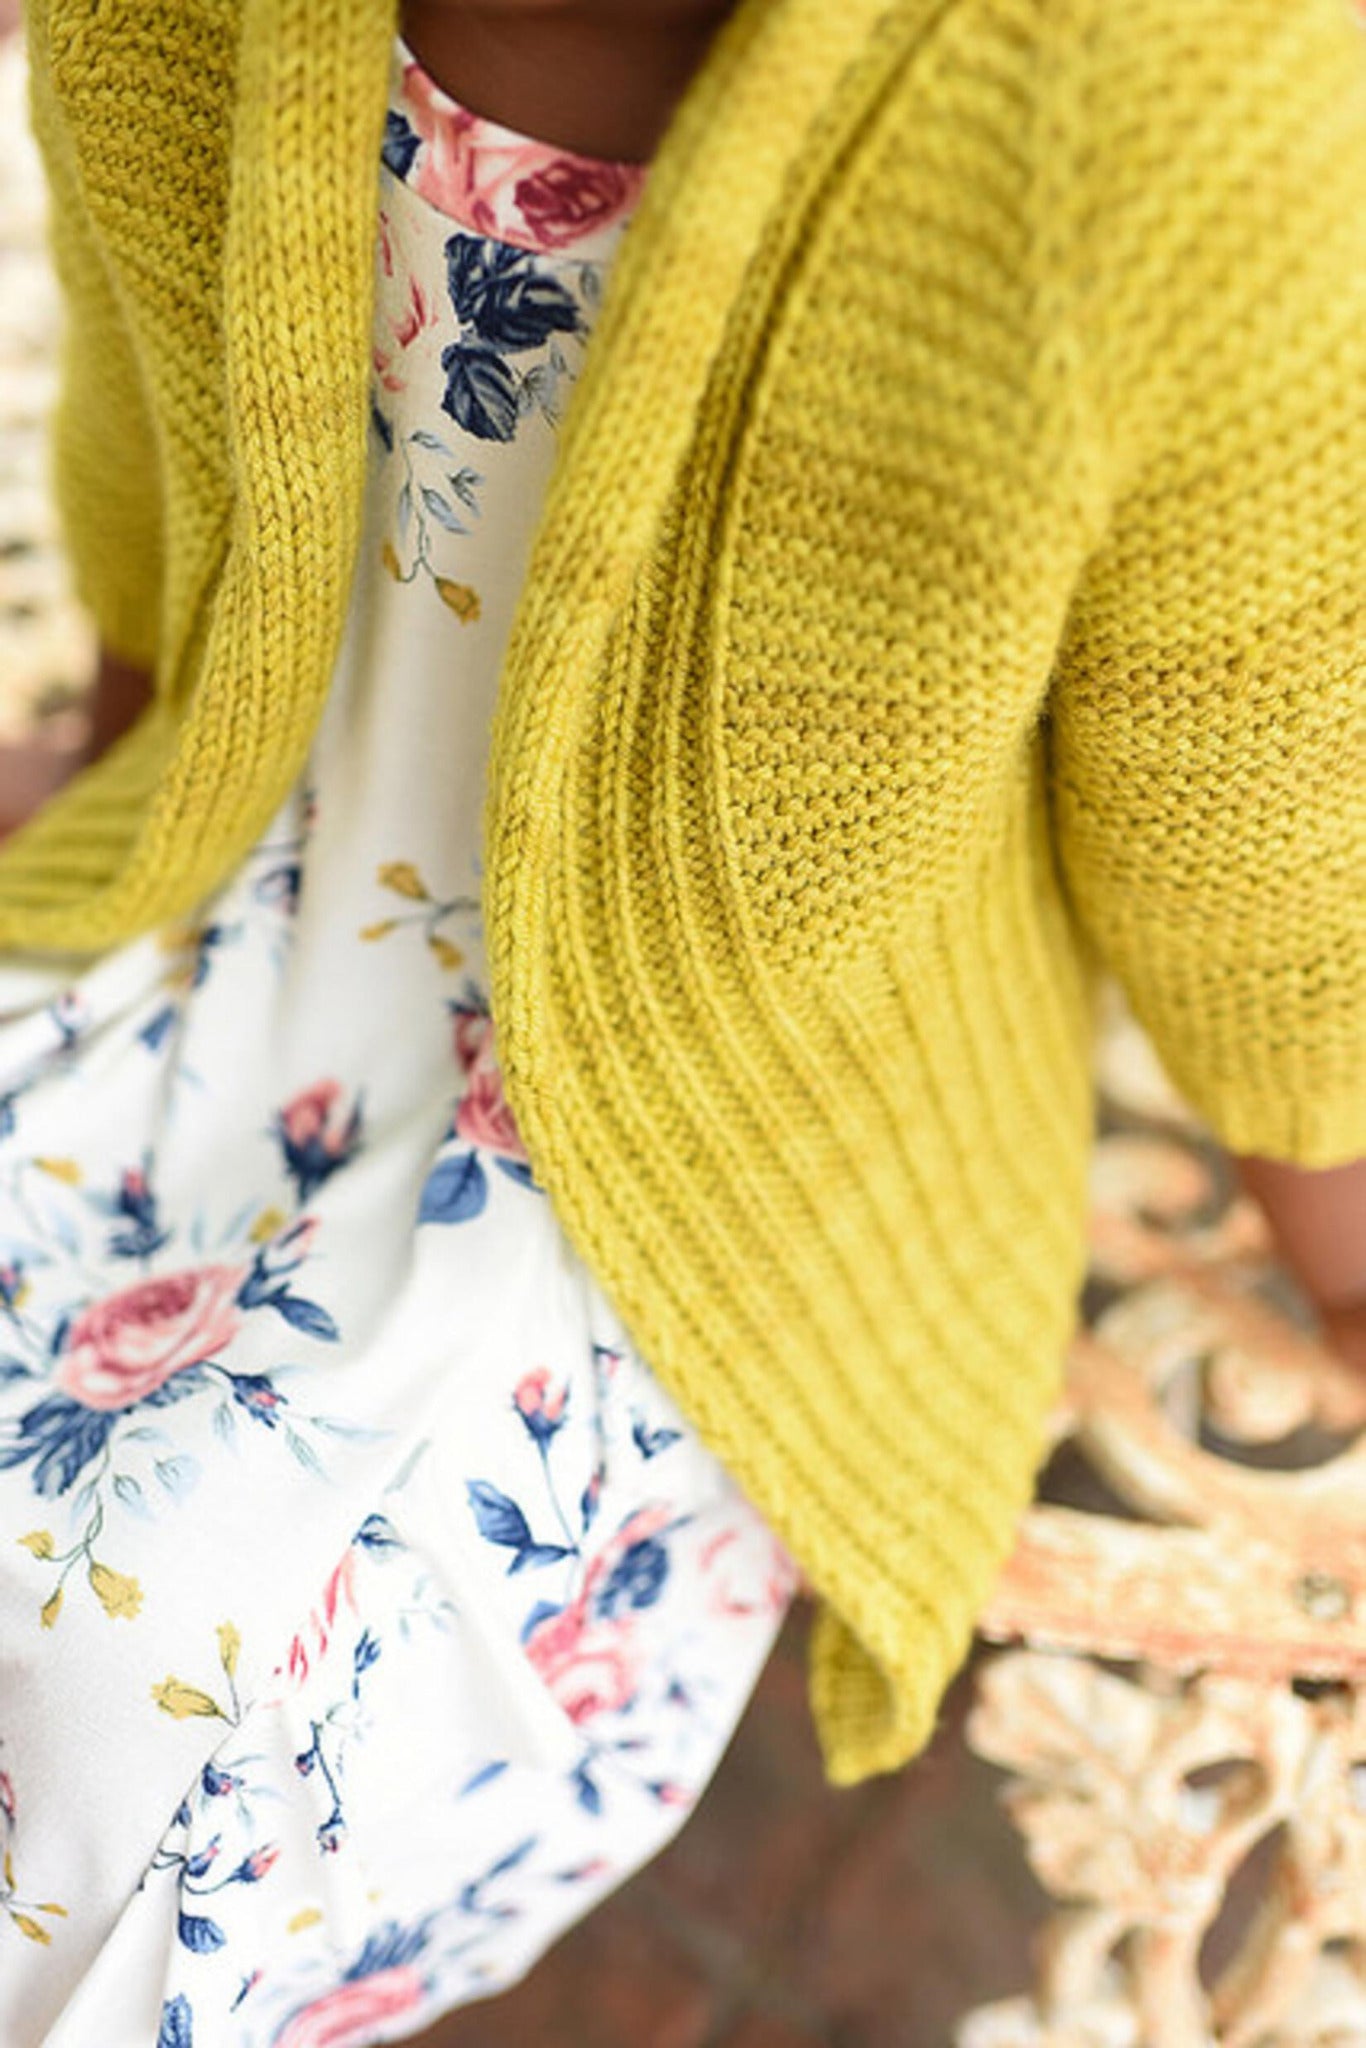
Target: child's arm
1319	1223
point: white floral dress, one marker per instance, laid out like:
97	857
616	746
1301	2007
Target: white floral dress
366	1610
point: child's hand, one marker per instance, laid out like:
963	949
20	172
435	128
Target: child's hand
1345	1329
35	769
31	772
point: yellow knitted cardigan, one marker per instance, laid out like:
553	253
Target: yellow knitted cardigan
951	580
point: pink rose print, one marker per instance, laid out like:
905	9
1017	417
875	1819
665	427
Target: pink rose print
587	1669
348	2016
570	196
406	313
123	1349
483	1117
317	1135
541	1411
498	182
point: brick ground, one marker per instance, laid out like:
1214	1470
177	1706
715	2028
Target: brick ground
790	1916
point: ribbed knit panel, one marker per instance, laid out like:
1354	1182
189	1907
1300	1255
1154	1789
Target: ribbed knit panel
950	578
222	159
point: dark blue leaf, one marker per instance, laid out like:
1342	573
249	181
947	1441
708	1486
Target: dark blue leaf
14	1369
201	1935
518	1170
400	144
61	1437
523	310
177	2023
499	1519
650	1442
480	394
636	1580
365	1653
381	426
473	263
305	1315
539	1553
457	1190
377	1532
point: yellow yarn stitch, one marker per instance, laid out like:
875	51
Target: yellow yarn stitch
951	579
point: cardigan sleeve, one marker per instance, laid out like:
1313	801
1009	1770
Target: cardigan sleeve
102	461
1207	714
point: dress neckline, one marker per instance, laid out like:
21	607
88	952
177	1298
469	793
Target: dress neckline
496	180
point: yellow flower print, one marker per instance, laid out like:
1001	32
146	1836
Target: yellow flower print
39	1541
116	1593
391	561
460	598
403	878
229	1643
50	1609
183	1702
266	1225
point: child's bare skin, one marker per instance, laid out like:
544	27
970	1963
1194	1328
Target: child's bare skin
598	76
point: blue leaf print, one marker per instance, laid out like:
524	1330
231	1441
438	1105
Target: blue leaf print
637	1580
524	311
480	394
498	291
378	1533
304	1453
518	1170
472	262
388	1948
200	1934
650	1442
511	1860
365	1653
424	439
153	1032
585	1791
498	1518
304	1315
457	1190
400	144
14	1369
61	1437
441	511
539	1553
177	2021
177	1474
403	510
382	427
485	1775
127	1490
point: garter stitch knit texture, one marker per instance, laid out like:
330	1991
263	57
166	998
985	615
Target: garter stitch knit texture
951	581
